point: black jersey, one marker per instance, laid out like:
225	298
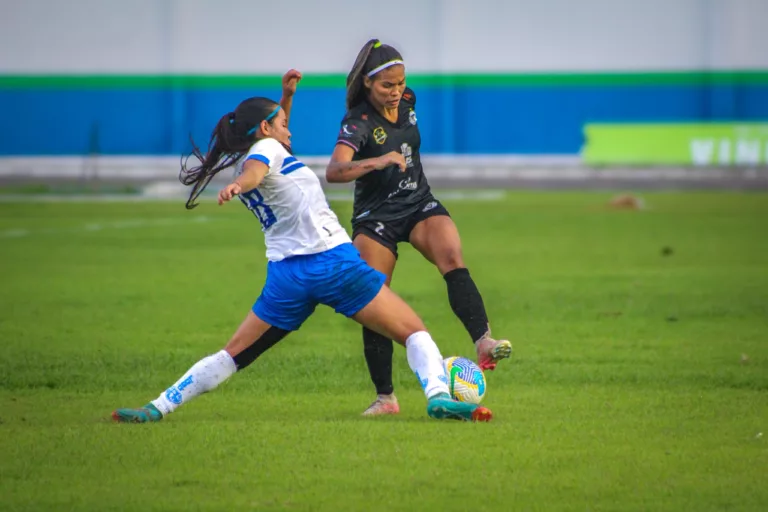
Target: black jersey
390	193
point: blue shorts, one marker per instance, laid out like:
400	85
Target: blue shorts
338	278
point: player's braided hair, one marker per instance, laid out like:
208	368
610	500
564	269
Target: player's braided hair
232	137
373	55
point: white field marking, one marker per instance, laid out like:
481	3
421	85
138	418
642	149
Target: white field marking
447	194
15	233
85	198
105	226
167	167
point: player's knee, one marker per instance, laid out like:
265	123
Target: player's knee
410	327
244	353
419	326
450	260
405	328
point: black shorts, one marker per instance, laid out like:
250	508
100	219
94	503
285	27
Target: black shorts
392	232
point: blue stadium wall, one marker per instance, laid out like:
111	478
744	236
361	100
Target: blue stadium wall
460	114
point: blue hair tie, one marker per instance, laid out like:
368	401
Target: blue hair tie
270	116
273	114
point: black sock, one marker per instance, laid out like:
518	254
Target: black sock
378	355
466	302
258	347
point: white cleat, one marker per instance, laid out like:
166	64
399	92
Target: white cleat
384	404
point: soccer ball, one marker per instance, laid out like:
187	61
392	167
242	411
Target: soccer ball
465	379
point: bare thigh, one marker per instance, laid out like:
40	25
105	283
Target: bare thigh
376	255
390	316
437	239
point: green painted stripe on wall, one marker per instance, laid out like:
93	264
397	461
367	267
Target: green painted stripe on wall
748	77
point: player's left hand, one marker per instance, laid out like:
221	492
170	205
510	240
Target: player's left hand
290	80
229	192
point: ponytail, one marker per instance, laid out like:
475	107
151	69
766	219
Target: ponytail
355	87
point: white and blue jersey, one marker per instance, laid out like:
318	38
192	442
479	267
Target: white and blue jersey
290	205
311	257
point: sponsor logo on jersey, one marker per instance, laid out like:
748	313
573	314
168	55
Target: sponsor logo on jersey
379	135
429	206
405	184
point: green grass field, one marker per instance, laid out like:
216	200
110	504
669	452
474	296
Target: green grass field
639	380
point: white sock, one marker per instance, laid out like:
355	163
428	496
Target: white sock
204	376
426	362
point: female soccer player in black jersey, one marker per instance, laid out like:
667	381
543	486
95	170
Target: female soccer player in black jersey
394	205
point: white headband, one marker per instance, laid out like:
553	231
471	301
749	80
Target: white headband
384	66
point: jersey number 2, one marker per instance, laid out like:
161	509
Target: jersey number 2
255	202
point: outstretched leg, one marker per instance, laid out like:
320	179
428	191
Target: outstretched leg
252	338
437	239
388	314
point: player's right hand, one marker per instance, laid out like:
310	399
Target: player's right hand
229	192
391	158
290	81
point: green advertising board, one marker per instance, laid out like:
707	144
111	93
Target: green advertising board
702	144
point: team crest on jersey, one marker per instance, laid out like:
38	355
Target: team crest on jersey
379	135
412	117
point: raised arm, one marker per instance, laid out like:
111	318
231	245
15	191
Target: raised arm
290	80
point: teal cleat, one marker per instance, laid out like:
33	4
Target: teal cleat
442	407
147	414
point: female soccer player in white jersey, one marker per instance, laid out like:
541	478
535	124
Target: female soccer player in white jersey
311	261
